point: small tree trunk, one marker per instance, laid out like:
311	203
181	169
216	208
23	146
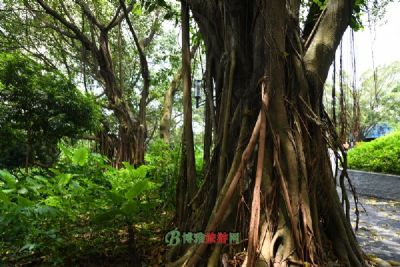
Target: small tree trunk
28	150
207	135
187	180
167	110
165	124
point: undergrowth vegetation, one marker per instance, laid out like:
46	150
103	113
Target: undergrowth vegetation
83	208
380	155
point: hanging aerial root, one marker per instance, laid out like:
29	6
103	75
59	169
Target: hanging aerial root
333	141
336	145
255	207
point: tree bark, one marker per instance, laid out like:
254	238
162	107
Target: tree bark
269	89
165	123
144	70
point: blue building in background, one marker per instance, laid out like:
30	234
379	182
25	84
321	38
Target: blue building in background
378	130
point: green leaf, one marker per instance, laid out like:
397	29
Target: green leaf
23	191
54	170
29	247
80	156
141	172
106	216
24	202
8	178
138	188
137	9
4	197
115	197
53	201
129	208
8	191
64	179
45	210
162	3
128	166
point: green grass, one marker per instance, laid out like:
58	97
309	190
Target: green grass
380	155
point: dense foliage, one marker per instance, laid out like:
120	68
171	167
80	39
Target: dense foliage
37	108
79	208
380	155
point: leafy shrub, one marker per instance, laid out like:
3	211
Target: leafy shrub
380	155
165	162
71	210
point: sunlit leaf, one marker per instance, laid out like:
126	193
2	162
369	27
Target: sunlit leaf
53	201
29	246
64	179
80	156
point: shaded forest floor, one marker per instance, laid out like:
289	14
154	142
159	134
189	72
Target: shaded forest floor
378	234
108	248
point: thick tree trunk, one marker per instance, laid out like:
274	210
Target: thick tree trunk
272	138
129	126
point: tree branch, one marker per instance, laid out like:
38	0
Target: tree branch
85	41
61	31
312	17
67	13
142	56
89	14
118	19
294	9
112	22
320	54
146	41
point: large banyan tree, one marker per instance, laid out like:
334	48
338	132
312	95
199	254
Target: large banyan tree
270	176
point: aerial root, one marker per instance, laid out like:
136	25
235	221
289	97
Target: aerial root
192	256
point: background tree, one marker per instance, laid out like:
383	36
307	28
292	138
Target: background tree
380	97
375	99
92	38
38	107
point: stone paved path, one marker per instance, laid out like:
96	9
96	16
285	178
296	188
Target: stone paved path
377	185
379	227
